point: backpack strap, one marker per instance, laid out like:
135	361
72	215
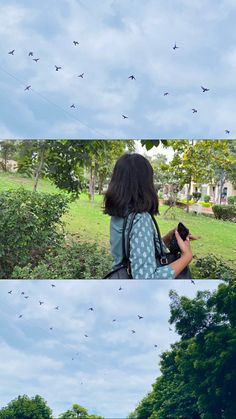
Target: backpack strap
163	258
126	243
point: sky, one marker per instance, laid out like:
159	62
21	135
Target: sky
117	38
112	369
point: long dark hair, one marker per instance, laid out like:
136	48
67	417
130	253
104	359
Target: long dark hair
131	188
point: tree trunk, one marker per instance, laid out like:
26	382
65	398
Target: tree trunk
222	182
38	170
188	194
92	180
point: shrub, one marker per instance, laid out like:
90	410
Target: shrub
206	198
231	200
71	261
29	227
213	267
225	212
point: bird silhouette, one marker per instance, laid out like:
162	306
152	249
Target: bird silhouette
9	292
120	289
140	317
56	308
192	281
57	68
36	59
227	131
170	329
72	106
114	320
75	43
41	303
155	346
132	77
22	293
204	89
125	117
11	52
28	87
175	46
20	316
133	331
51	328
26	297
166	93
194	110
30	54
81	75
86	336
91	309
53	286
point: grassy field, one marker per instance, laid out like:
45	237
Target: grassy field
86	221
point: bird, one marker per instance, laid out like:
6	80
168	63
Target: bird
72	359
9	292
227	131
175	46
166	93
41	302
132	77
56	308
125	117
114	320
155	346
75	43
170	329
192	281
120	289
26	297
51	328
91	309
194	110
133	331
20	316
140	317
86	336
36	59
30	54
53	286
57	68
22	293
204	89
11	52
81	75
28	87
72	106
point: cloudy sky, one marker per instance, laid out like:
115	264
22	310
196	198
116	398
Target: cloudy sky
116	368
117	38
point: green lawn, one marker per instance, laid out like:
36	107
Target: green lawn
86	221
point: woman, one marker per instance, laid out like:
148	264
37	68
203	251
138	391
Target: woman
132	190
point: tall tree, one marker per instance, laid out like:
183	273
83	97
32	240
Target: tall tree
24	407
7	150
78	411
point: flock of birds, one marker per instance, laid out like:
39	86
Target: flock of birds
131	77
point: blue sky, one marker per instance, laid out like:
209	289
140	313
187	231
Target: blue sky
118	38
115	366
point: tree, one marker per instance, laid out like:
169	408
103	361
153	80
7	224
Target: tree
78	411
24	407
198	373
7	150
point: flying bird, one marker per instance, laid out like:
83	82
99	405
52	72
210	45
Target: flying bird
20	316
57	68
175	46
125	117
81	75
75	43
28	87
133	331
227	131
11	52
41	302
72	106
30	54
140	317
194	110
51	328
204	89
155	346
26	297
9	292
86	336
120	289
170	329
22	293
192	281
114	320
132	77
91	309
53	286
36	59
166	93
56	308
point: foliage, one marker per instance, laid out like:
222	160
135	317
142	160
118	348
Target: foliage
231	200
225	212
198	373
71	261
206	198
29	225
211	266
24	407
7	149
78	411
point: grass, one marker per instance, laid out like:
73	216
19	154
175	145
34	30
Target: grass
86	221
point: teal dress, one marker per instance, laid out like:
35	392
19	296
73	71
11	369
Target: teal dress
142	247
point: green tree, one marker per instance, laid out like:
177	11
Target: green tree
198	373
78	411
24	407
7	150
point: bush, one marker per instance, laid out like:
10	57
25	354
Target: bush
29	227
205	204
71	261
212	267
225	212
206	198
231	200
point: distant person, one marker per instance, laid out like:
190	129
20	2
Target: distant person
131	190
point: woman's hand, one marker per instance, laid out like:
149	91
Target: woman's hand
184	246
